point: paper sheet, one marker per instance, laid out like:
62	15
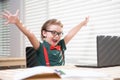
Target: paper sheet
82	74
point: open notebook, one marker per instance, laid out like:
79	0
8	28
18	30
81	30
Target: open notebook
108	52
51	73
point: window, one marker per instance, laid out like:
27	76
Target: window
104	20
36	13
4	32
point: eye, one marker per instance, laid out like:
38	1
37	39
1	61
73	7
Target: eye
54	32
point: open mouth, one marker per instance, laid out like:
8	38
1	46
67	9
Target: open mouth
54	40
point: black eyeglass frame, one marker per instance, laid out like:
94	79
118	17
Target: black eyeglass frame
54	33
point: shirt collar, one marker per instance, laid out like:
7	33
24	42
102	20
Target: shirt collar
46	44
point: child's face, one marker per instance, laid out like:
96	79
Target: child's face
53	34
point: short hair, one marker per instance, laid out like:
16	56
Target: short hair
48	23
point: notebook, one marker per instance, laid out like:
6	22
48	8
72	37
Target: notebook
108	52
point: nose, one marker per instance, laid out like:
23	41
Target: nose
57	35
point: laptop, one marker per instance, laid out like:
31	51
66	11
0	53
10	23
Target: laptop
108	52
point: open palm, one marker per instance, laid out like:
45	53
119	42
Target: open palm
11	18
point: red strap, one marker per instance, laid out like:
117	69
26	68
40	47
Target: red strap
46	56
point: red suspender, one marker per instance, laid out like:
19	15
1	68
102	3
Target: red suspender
46	56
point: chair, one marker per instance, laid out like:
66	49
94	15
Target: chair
31	59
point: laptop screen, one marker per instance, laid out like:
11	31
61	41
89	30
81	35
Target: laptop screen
108	50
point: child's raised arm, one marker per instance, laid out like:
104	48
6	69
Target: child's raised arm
74	30
14	19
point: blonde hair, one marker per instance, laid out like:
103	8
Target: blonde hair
48	23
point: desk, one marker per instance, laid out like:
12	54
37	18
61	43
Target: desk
113	72
12	61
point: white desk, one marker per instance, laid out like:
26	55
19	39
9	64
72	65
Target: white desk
113	72
12	61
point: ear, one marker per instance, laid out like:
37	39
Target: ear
44	33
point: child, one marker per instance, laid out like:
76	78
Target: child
51	51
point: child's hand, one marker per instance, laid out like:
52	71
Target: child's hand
84	23
11	18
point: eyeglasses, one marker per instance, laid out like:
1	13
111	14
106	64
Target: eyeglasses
54	33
